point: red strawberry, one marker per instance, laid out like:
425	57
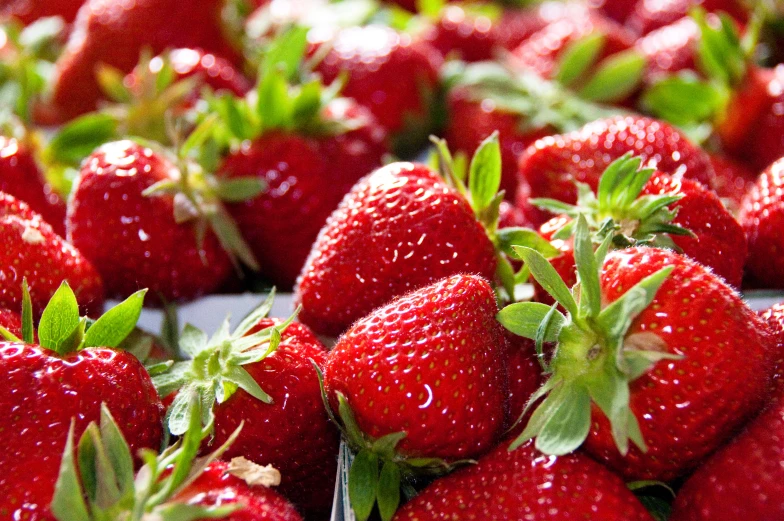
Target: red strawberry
618	10
550	167
21	178
526	484
774	316
669	49
733	181
762	215
652	14
658	344
459	32
303	445
524	374
141	239
412	230
52	385
306	178
172	485
763	143
424	376
517	25
32	250
389	73
112	33
28	11
11	321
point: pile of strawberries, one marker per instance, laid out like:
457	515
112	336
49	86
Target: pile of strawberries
541	319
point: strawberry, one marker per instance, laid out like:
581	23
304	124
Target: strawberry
21	178
733	181
517	25
28	11
458	31
276	370
97	481
569	48
158	229
34	251
761	214
389	73
648	207
485	97
524	374
670	49
652	14
550	166
112	33
763	143
419	384
66	380
11	322
658	351
526	484
412	228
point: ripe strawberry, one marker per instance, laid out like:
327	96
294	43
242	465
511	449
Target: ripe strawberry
670	49
761	215
733	181
32	250
21	178
172	485
28	11
652	14
421	378
154	230
11	322
389	73
485	97
112	33
517	25
459	32
524	374
412	230
550	167
657	344
303	446
763	143
65	381
526	484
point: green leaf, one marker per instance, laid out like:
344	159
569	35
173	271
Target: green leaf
170	381
8	336
548	278
274	103
385	445
590	287
568	423
285	52
685	99
179	414
523	319
231	238
509	237
200	135
118	451
307	104
555	206
59	320
28	330
77	139
117	323
86	452
240	189
430	8
485	173
245	381
67	502
578	57
617	77
193	340
388	490
253	318
186	512
658	508
720	54
363	480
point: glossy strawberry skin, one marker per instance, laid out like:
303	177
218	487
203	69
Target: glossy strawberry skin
31	249
21	177
686	408
389	73
763	143
114	32
525	484
293	434
517	25
216	487
133	239
670	49
719	241
649	15
524	375
541	52
472	120
399	229
471	37
306	179
43	393
551	165
429	364
762	215
11	321
28	11
733	181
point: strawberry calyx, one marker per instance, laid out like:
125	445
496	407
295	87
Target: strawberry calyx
479	183
97	481
594	360
214	370
619	209
378	472
63	331
539	103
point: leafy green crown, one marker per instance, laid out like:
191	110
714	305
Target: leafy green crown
619	209
214	371
595	359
